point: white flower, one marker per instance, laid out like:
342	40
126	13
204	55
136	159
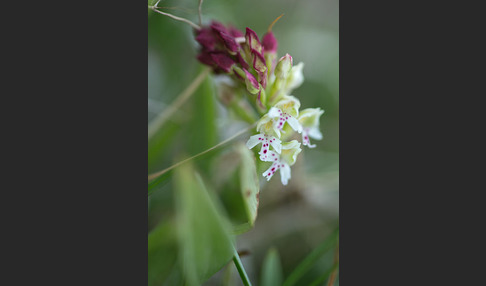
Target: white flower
286	110
283	162
266	126
309	120
266	140
296	78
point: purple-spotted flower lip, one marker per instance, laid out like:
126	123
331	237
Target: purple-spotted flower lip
266	141
309	119
278	165
283	161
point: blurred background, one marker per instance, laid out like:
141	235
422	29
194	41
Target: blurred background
294	218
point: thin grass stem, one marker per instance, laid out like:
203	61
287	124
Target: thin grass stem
200	12
156	123
159	173
154	8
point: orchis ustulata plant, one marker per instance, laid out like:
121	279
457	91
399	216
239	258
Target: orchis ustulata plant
268	83
256	85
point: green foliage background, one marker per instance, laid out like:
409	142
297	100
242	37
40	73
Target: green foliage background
292	220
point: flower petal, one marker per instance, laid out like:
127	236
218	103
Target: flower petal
274	112
294	123
315	133
285	174
306	141
254	140
296	77
276	144
270	171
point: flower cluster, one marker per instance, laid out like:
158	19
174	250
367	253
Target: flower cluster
253	65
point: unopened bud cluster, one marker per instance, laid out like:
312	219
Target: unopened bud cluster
253	66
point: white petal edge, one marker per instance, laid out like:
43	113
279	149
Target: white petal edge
294	123
285	174
253	141
276	144
274	112
315	133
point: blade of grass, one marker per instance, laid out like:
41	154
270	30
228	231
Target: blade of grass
324	276
309	261
176	104
336	261
272	269
241	269
160	173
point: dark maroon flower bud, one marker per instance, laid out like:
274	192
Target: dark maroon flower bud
218	27
269	43
207	38
229	42
222	61
252	40
205	58
235	32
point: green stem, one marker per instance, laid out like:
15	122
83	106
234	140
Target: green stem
241	269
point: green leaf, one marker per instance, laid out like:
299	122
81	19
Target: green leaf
309	261
324	276
235	174
249	184
272	269
162	253
158	182
203	232
203	129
